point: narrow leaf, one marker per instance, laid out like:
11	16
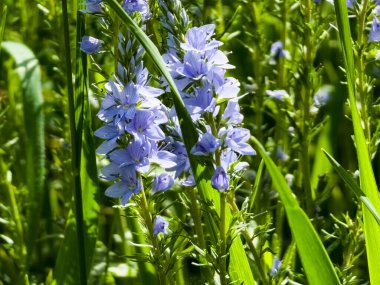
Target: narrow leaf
81	230
28	69
351	183
315	260
367	178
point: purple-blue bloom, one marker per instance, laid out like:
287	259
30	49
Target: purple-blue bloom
220	179
93	6
160	225
207	144
162	182
278	94
236	139
277	51
143	125
276	267
198	39
129	185
374	34
140	6
90	44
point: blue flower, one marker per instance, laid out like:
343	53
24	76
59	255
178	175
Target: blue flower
162	182
277	51
160	225
220	180
140	6
90	44
278	94
276	267
143	125
198	39
207	144
93	6
128	185
374	34
236	139
194	67
232	113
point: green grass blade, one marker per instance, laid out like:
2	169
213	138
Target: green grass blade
239	266
69	270
351	183
315	260
3	18
29	72
367	178
256	186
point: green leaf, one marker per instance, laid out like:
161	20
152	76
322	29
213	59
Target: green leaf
314	258
351	183
78	247
367	178
239	266
28	69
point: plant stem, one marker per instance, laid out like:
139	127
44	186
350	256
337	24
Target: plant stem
306	94
223	253
76	143
150	227
360	66
248	240
219	6
257	70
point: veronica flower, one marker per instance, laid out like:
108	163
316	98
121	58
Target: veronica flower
220	180
90	44
128	185
276	266
162	182
278	94
160	225
207	144
232	113
93	6
236	139
143	125
198	39
194	66
374	34
140	6
277	51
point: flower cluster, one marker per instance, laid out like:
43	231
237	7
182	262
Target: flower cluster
132	114
198	69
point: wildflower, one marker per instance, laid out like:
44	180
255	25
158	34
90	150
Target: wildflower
162	182
350	4
232	112
220	179
128	185
140	6
276	267
143	125
276	52
198	39
236	139
207	144
374	34
160	225
93	6
278	94
90	44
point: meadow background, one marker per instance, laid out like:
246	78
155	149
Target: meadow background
297	217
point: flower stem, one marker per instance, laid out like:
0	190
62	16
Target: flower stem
223	253
153	239
360	66
248	240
